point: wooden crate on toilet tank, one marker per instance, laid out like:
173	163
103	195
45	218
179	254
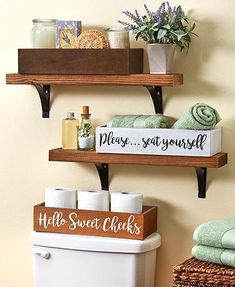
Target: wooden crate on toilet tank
96	223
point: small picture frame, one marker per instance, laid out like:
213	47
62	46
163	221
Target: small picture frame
67	33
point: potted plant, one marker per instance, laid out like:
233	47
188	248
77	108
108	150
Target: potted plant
163	30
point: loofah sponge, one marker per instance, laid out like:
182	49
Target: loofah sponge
92	39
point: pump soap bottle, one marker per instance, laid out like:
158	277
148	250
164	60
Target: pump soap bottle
69	131
86	135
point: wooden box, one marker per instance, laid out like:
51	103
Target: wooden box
80	61
96	223
158	141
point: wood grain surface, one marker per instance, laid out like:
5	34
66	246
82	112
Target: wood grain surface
168	80
96	223
215	161
80	61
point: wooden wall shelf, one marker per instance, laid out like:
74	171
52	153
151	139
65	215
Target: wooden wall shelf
216	161
153	83
166	80
102	160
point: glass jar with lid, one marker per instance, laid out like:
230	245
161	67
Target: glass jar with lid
44	33
118	38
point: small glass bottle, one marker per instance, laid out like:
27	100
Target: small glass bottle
86	135
69	131
118	38
44	33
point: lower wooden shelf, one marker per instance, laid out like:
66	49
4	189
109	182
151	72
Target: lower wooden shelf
102	160
216	161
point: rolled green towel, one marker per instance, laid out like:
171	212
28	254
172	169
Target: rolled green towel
153	121
122	121
214	255
141	121
216	233
199	117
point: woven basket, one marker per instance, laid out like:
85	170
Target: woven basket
193	272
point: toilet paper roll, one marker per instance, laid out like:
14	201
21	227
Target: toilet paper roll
60	197
93	200
130	202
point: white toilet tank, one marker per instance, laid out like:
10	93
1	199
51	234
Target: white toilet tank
63	260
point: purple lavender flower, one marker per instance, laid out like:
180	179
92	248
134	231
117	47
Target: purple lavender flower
130	27
158	17
65	38
137	15
148	11
162	8
169	9
131	16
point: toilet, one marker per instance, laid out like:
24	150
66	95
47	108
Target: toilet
65	260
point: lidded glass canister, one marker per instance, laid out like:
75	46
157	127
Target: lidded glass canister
118	38
44	33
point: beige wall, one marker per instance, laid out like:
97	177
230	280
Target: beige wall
26	138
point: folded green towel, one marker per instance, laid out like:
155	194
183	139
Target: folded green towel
154	121
199	117
141	121
217	233
214	255
124	121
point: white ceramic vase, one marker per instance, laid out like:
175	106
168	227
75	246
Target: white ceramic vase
160	58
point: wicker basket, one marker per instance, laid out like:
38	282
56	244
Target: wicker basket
193	272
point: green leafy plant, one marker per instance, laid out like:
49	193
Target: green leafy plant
85	130
168	25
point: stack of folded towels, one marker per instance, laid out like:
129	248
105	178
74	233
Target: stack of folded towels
199	116
215	242
141	121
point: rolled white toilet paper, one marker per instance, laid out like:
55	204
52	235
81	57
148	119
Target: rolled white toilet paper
93	200
130	202
60	197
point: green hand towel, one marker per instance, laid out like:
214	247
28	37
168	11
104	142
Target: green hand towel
153	121
214	255
199	117
217	233
141	121
122	121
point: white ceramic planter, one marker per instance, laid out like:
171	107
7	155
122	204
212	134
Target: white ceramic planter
160	58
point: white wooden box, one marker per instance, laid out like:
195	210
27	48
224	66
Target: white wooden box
158	141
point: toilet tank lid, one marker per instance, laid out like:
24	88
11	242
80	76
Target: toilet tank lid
95	243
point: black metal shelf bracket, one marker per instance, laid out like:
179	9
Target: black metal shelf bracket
201	172
201	179
44	94
103	171
156	95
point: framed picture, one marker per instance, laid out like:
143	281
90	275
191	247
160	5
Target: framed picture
66	33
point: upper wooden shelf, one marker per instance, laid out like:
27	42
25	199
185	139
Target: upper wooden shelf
166	80
216	161
153	83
